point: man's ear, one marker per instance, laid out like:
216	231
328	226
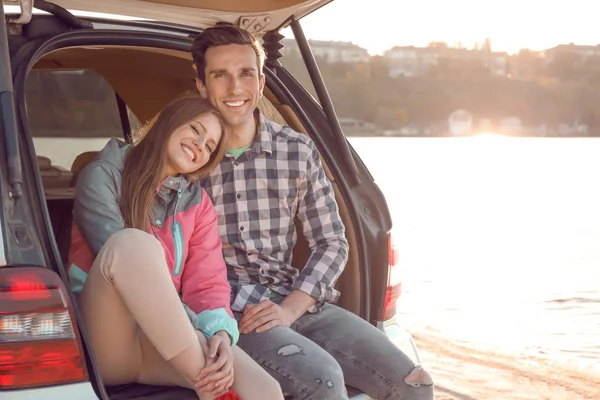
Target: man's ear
201	88
261	84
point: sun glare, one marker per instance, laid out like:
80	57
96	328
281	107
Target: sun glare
489	136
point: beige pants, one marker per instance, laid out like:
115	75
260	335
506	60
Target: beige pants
138	328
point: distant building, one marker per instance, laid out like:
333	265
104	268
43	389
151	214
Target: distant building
352	123
410	61
460	122
330	51
512	125
584	52
413	61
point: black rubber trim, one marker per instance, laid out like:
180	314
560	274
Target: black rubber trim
69	19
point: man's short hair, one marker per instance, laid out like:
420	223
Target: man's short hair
223	35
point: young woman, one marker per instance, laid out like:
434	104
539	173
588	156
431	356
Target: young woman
146	261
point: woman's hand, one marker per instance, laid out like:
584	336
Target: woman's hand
217	376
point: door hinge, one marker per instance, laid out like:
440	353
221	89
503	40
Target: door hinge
254	23
26	12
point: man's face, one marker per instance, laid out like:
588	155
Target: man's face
233	82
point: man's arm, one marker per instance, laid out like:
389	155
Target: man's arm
323	228
267	315
297	303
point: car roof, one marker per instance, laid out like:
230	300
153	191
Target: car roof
256	16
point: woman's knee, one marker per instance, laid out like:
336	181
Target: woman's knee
131	247
128	240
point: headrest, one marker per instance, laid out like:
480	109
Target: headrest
82	160
44	163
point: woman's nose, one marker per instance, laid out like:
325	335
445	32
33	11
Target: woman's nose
200	143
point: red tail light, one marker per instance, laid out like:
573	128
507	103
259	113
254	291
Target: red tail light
39	341
394	285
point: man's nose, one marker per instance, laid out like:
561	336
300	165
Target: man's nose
234	85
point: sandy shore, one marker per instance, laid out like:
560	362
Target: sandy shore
461	373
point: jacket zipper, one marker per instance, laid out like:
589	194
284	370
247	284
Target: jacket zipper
177	236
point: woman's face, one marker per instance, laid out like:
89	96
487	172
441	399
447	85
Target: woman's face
189	148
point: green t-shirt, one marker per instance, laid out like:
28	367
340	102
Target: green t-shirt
237	152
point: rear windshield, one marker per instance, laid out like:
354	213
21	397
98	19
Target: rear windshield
71	112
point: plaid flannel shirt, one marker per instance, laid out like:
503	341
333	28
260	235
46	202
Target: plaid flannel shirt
257	196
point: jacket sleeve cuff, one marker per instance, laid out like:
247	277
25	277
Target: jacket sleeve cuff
212	321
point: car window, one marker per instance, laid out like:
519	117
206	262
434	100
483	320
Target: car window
71	112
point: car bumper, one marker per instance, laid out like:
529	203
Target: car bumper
401	338
79	391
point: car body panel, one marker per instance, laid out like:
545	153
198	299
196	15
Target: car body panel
2	251
79	391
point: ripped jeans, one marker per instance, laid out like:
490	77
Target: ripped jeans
321	353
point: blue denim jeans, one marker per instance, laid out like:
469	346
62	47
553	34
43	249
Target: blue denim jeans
322	353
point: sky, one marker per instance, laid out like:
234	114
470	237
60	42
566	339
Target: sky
378	25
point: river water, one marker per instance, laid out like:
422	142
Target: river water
499	240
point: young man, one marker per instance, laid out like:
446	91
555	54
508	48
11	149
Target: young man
270	175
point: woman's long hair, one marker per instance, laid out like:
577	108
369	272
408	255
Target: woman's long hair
145	161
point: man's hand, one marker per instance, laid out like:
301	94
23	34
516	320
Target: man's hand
217	376
264	316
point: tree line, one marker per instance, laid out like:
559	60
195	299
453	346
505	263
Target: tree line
564	90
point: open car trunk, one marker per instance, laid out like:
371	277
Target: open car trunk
256	16
145	73
125	70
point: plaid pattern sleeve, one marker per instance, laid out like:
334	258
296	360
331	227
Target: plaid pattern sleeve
322	226
257	196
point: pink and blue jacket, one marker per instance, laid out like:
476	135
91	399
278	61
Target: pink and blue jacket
185	223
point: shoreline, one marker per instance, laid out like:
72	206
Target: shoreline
462	373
